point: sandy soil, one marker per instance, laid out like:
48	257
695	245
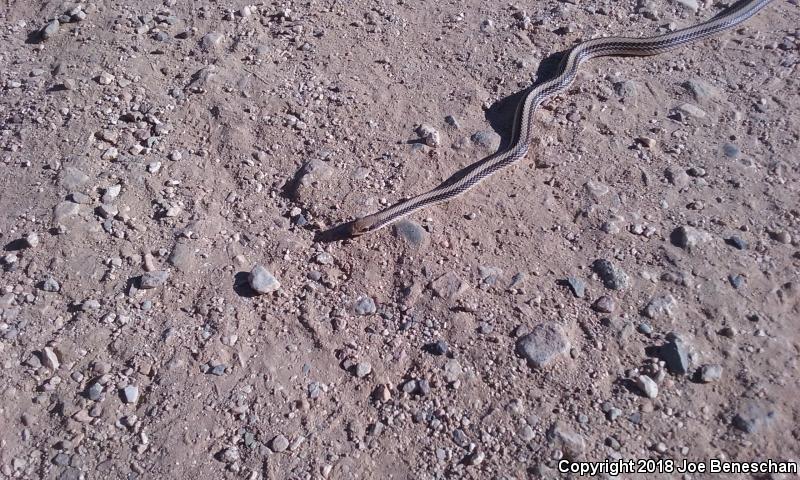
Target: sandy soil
645	255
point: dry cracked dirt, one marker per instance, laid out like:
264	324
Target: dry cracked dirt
168	308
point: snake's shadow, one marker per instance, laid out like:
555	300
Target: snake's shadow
501	116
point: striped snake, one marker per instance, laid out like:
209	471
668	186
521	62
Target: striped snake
523	126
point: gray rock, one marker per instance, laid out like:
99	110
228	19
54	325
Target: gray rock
736	242
64	211
710	373
544	344
153	279
449	286
182	257
50	359
676	355
626	89
31	240
689	4
737	281
130	394
612	276
50	29
689	238
429	135
452	371
262	281
730	150
50	284
211	40
571	443
688	110
363	369
95	391
412	233
487	140
661	306
577	286
647	385
364	305
678	177
279	443
604	304
753	417
700	90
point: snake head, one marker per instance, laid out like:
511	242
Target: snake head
360	226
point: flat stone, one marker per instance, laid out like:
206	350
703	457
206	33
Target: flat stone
182	257
50	29
279	443
452	371
412	233
661	306
262	281
31	240
571	443
543	344
736	242
688	110
211	40
700	90
449	286
65	210
72	178
153	279
604	304
577	286
710	373
487	139
612	276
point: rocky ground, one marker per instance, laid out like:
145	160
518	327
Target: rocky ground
168	309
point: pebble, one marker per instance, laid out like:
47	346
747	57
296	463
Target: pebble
626	89
647	385
487	140
710	373
577	286
730	150
476	458
153	279
31	240
211	40
438	348
661	306
363	369
753	417
50	29
105	78
781	237
674	353
449	286
65	210
678	177
130	394
95	391
571	442
736	242
613	277
452	371
689	238
430	135
50	284
690	110
604	304
364	305
50	359
736	281
279	443
700	90
411	232
543	344
262	281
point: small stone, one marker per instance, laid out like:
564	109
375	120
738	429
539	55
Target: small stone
452	371
153	279
449	286
730	150
412	233
105	78
543	345
65	210
674	353
363	369
452	121
31	240
279	443
95	391
211	40
613	277
383	393
430	135
700	90
218	370
130	394
678	177
736	242
50	359
475	458
736	281
625	89
577	286
689	238
604	304
175	155
438	348
324	258
364	305
690	110
753	417
647	385
50	284
153	167
50	29
710	373
262	281
647	142
661	306
111	153
230	455
781	237
487	140
107	211
569	441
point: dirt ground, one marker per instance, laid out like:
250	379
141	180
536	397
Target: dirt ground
168	309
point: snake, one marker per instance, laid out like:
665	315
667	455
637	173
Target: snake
534	96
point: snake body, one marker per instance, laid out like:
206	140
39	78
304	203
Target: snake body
522	134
